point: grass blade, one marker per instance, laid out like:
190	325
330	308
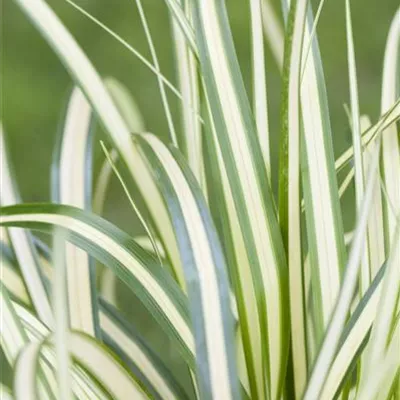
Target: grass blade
205	272
21	242
153	53
390	141
124	43
354	337
181	19
336	325
388	306
248	180
134	120
126	105
244	279
322	206
143	222
365	271
376	233
189	85
259	82
60	306
289	190
369	135
72	185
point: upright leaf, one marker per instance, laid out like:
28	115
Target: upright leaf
337	322
365	272
289	189
390	137
255	222
189	85
260	106
205	273
322	207
72	185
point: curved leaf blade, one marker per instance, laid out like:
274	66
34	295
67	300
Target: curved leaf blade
71	185
205	272
153	286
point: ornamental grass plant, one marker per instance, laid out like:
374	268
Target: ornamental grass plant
259	293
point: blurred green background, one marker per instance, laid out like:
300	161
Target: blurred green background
35	85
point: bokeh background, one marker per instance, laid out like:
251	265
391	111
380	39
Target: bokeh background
35	85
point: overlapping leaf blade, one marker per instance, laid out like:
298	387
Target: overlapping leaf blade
154	287
91	85
21	242
253	216
205	272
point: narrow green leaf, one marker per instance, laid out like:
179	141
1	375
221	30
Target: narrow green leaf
338	319
390	137
21	242
60	307
243	278
354	337
153	53
388	306
133	117
259	83
255	220
322	206
365	271
289	189
132	203
72	185
376	233
205	272
182	20
124	43
126	105
189	84
385	121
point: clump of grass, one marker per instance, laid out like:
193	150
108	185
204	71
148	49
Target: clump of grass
260	299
